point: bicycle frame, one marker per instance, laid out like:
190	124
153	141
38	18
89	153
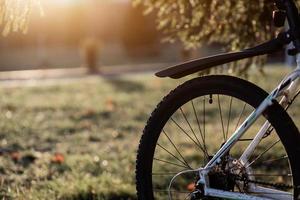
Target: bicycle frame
286	89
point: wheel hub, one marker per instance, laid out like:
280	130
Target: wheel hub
227	175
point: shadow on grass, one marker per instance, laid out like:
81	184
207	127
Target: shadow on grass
125	85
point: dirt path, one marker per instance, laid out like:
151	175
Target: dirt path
60	76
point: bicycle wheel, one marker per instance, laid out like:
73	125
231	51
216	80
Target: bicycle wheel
193	121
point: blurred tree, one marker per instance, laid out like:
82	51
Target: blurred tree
236	24
139	32
14	14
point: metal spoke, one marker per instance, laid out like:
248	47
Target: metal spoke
260	155
240	117
229	116
220	111
187	134
275	159
184	116
202	137
175	147
184	163
196	116
171	163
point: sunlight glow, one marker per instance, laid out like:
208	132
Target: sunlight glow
62	2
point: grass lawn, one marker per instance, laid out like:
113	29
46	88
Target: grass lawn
79	140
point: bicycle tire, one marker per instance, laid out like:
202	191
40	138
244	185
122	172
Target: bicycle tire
232	86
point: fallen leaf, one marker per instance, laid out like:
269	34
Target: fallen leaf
58	158
15	156
110	105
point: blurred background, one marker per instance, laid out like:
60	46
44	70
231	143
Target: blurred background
114	31
73	32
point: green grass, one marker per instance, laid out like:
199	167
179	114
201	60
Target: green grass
94	125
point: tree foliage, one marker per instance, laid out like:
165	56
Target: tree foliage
236	24
14	14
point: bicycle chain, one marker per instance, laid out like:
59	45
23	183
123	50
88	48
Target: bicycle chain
246	180
276	185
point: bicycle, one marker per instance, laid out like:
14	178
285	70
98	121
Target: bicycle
178	157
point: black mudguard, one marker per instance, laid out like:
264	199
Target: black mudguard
187	68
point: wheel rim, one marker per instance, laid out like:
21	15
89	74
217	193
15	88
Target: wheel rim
195	132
